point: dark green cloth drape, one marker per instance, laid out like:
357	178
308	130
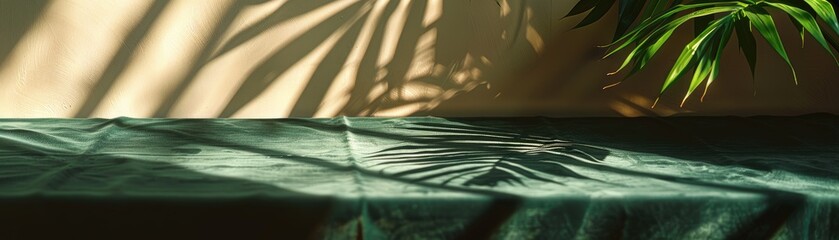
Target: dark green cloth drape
423	177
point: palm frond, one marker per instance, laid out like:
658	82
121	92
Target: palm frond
714	21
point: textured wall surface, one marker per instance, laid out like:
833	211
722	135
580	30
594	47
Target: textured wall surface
313	58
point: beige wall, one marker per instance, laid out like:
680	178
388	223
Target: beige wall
305	58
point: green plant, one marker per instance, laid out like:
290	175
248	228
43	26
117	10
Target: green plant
714	22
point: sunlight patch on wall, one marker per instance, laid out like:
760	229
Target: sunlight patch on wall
281	96
162	60
393	31
532	35
278	35
55	64
269	38
433	12
425	51
418	95
339	92
267	59
625	109
505	8
400	110
635	105
647	102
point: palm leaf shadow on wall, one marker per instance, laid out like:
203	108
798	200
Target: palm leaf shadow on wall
484	156
18	17
348	24
130	44
384	73
280	61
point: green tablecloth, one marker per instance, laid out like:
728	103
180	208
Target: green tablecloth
345	178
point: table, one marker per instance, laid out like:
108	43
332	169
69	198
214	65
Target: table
422	177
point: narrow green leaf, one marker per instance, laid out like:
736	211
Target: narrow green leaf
833	43
599	10
826	12
703	69
653	8
804	20
629	11
766	27
672	25
688	57
654	41
715	69
747	42
685	61
652	49
799	28
645	55
649	25
682	63
582	6
700	23
715	65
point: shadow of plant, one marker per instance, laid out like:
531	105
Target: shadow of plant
482	152
471	152
366	57
484	156
379	82
18	17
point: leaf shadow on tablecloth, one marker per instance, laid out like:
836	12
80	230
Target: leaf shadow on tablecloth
486	153
488	158
484	156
